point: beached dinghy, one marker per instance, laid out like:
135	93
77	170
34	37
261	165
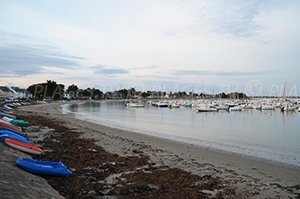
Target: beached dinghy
10	133
6	119
7	115
22	146
43	167
13	131
19	123
9	125
14	137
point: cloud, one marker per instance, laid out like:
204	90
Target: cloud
146	67
231	17
107	70
215	73
21	59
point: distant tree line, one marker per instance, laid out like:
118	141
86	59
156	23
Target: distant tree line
52	90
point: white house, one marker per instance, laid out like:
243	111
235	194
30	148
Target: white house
5	92
20	92
14	92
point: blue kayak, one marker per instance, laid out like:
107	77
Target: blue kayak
12	131
43	167
18	138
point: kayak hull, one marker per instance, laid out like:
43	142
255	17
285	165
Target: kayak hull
9	125
43	167
22	146
11	131
19	123
15	137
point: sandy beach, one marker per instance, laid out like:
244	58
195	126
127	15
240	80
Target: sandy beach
142	166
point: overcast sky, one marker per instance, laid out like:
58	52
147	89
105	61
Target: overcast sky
214	45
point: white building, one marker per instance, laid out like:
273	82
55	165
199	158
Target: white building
20	92
14	92
5	92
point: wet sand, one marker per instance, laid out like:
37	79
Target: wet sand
137	165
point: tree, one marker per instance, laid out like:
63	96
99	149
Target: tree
87	93
72	89
97	94
50	89
145	94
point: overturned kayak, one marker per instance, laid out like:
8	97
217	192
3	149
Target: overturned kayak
43	167
12	131
9	125
7	115
8	134
22	146
7	119
19	123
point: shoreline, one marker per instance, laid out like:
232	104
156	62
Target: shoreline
275	158
242	170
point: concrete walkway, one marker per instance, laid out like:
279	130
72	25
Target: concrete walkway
18	184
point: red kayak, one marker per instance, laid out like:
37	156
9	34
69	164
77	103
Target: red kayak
10	126
22	146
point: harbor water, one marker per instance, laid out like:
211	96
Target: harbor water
269	135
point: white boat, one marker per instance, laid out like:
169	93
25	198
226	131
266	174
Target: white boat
222	107
267	107
7	107
207	109
236	108
299	109
174	105
135	105
288	108
7	119
248	106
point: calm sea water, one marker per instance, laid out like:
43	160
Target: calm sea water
269	135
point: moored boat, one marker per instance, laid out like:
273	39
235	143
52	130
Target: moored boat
174	105
43	167
161	104
236	108
267	107
207	109
135	105
288	108
222	107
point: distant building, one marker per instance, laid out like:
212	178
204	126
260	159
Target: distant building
5	92
20	92
14	92
70	95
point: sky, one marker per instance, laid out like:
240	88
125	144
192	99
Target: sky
206	46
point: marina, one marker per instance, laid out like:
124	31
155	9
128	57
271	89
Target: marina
265	132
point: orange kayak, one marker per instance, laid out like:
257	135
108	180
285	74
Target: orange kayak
11	126
32	149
